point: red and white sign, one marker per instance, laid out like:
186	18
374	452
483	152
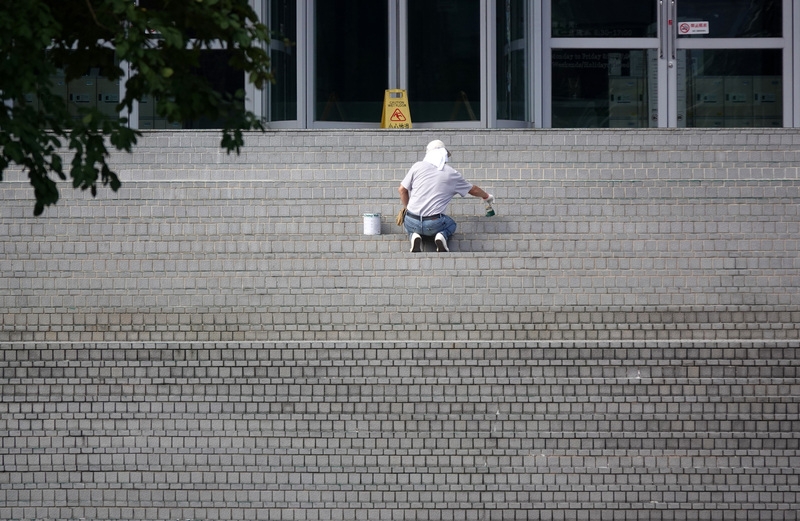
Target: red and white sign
693	28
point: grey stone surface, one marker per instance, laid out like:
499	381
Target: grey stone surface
219	340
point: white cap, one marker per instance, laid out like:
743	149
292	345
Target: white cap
437	143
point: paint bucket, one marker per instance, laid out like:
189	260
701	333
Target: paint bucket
372	224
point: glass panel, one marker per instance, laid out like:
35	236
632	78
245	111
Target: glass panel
352	56
732	18
444	60
511	59
731	88
598	19
220	76
283	93
89	92
603	88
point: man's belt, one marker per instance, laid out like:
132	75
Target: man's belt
426	218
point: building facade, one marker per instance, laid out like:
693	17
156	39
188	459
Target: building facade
516	63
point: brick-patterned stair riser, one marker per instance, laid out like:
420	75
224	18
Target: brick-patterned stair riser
220	340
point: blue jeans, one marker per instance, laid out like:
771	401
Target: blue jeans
428	228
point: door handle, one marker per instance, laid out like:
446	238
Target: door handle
660	31
673	23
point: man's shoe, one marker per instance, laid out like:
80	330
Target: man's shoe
441	243
416	242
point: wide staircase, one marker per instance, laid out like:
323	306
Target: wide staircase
221	340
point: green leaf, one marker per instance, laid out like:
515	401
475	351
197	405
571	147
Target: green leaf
37	41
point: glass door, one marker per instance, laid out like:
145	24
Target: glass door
725	62
444	41
350	67
512	60
666	63
601	60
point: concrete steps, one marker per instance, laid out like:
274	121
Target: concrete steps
401	430
220	340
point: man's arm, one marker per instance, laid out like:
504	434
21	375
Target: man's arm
403	195
477	191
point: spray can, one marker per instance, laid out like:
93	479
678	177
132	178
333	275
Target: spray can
489	210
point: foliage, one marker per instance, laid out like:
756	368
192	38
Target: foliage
160	45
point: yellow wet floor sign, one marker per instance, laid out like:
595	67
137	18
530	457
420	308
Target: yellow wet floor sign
395	109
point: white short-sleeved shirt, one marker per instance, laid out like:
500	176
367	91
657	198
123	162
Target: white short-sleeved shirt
430	190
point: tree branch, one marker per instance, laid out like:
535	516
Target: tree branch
94	17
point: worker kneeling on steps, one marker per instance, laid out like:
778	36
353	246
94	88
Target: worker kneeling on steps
425	193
